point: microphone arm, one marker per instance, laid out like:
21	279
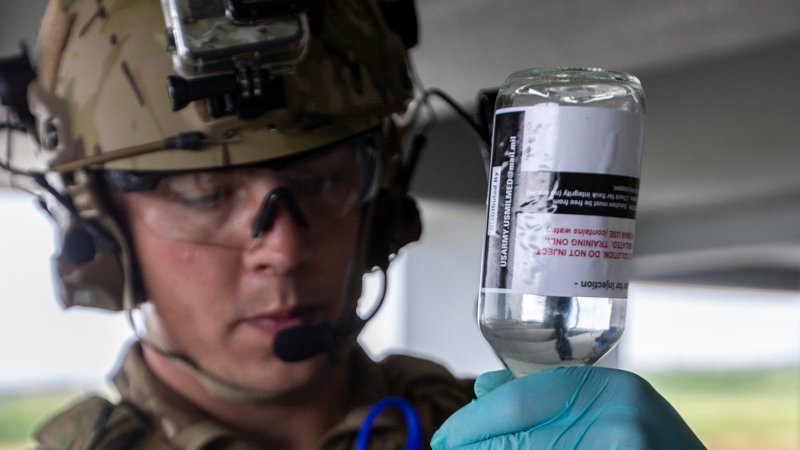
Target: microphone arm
299	343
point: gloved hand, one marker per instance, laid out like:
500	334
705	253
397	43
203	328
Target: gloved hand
566	408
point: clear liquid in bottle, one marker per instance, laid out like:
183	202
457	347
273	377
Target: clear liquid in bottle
534	332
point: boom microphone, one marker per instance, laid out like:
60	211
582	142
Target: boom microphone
304	341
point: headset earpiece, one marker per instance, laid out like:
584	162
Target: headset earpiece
395	224
90	270
395	221
78	247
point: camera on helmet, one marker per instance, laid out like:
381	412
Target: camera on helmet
233	53
211	36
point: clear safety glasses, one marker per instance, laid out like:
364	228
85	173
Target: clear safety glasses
233	207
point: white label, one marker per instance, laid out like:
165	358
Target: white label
562	201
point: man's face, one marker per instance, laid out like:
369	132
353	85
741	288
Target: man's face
222	295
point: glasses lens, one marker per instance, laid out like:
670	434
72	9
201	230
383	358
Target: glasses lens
218	207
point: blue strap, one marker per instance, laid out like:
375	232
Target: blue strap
413	428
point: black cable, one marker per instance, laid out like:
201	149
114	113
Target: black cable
3	165
6	165
419	139
381	298
460	111
13	126
97	232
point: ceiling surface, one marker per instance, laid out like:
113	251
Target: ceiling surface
468	44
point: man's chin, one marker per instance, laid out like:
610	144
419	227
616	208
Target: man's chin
273	381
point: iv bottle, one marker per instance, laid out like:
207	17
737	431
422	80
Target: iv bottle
560	221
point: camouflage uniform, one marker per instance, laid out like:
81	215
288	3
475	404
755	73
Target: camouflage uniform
150	416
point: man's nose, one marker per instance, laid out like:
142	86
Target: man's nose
277	232
268	212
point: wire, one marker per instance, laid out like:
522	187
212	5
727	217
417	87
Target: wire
419	138
421	98
380	298
6	164
413	427
13	126
96	231
482	134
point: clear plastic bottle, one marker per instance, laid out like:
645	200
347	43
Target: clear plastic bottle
566	158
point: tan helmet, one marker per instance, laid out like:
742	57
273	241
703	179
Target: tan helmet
101	101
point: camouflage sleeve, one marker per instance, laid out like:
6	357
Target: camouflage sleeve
96	423
72	428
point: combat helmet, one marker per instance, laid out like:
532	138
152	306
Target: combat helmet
146	85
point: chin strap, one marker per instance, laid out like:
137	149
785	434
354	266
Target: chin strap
150	333
215	386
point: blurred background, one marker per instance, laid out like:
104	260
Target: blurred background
714	307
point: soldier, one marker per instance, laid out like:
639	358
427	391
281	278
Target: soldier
229	193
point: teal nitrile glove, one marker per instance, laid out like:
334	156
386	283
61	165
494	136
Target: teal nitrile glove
566	408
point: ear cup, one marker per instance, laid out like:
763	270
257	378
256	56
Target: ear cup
90	271
395	224
78	247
